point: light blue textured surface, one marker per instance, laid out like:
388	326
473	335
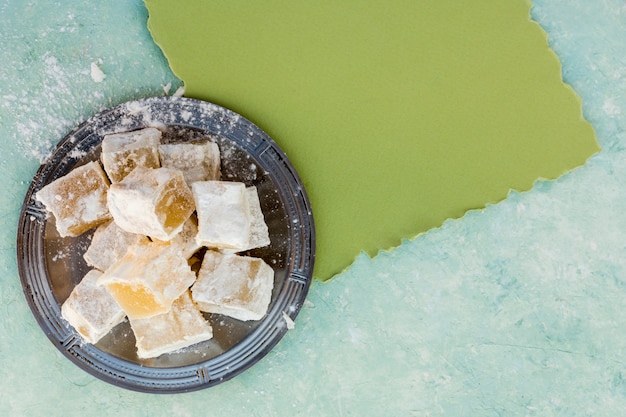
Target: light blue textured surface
513	310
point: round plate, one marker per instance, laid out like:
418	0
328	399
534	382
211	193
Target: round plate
50	266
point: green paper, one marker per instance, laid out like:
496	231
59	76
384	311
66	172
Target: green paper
397	115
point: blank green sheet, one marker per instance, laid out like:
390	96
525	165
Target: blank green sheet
396	114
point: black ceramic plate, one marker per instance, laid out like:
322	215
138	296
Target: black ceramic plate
50	266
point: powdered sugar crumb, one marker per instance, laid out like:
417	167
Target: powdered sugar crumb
180	91
186	115
97	75
288	321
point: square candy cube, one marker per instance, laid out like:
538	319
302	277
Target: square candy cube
77	200
148	278
151	202
123	152
91	310
223	214
233	285
182	326
198	161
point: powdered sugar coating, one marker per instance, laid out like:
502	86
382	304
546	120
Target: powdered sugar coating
223	214
180	327
123	152
234	285
151	202
77	200
197	161
108	244
91	310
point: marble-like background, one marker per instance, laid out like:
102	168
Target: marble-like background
512	310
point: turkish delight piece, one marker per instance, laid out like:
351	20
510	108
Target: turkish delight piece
123	152
108	244
148	278
182	326
223	214
77	200
259	234
91	310
233	285
152	202
198	161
